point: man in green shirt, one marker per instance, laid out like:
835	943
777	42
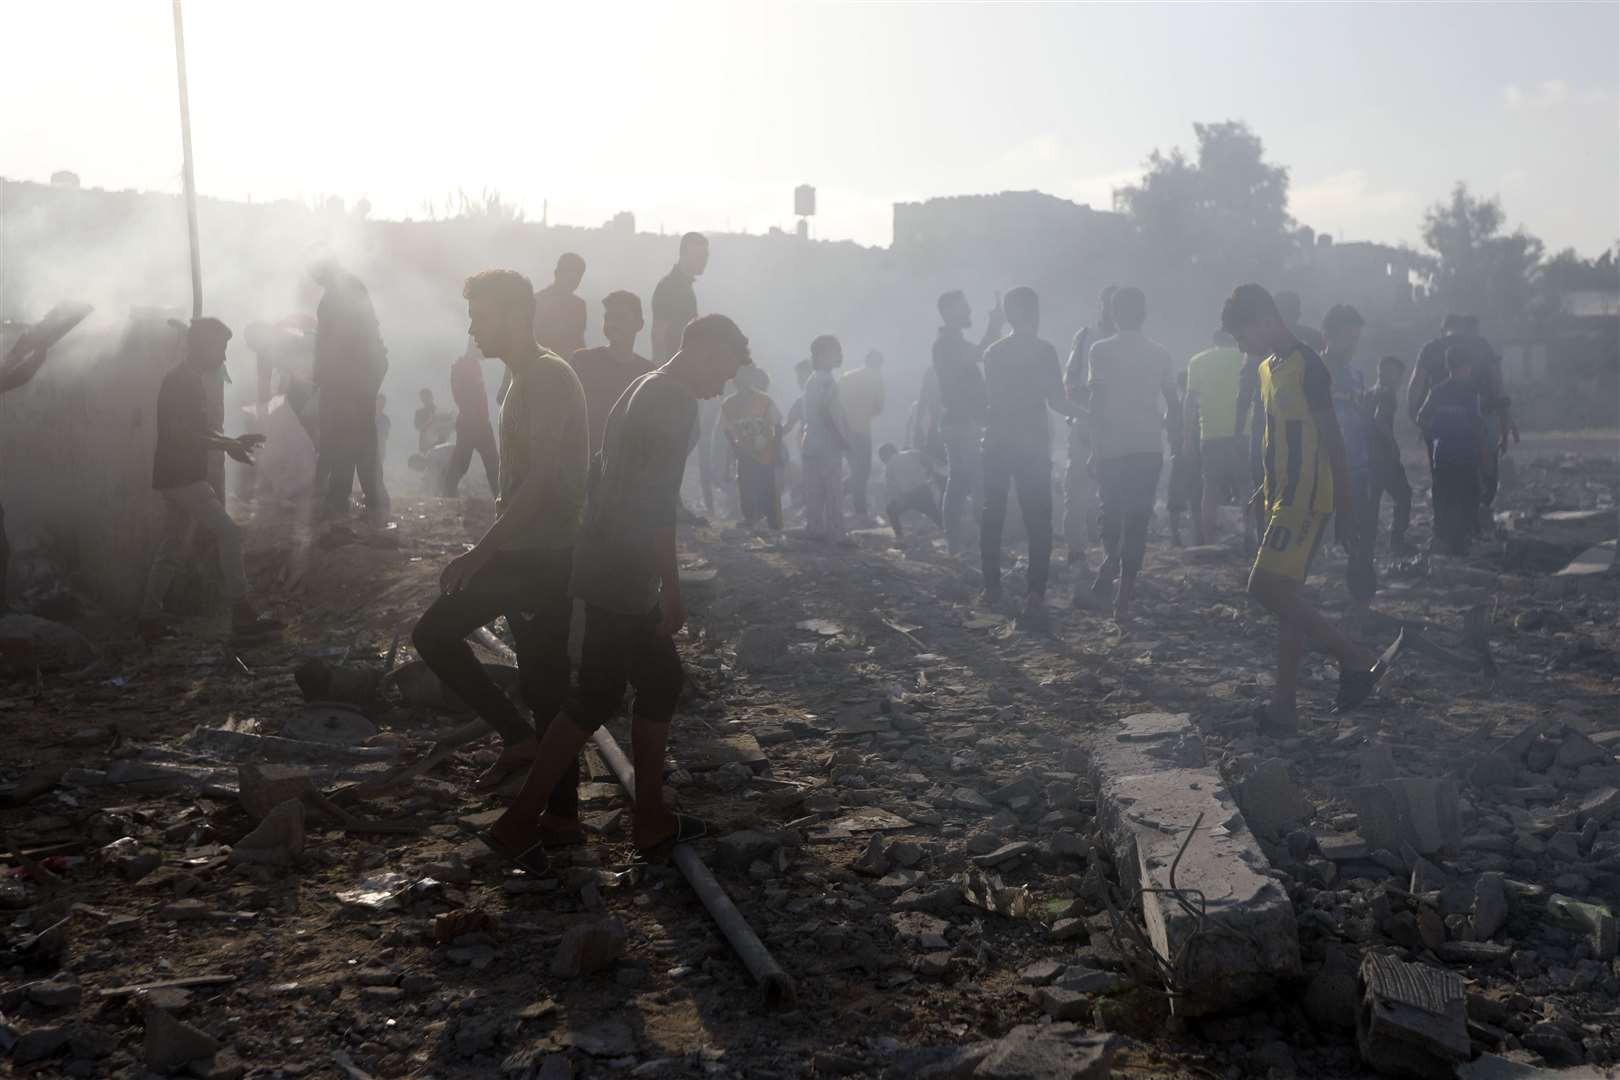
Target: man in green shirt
521	566
1213	378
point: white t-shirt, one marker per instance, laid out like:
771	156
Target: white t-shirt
1130	374
861	392
824	419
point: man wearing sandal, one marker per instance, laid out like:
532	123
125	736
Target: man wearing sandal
625	571
1306	481
521	566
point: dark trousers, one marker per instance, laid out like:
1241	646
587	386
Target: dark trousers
470	437
625	650
964	476
5	561
860	470
923	500
1030	468
348	450
1456	503
530	588
756	493
1127	486
1389	478
1360	574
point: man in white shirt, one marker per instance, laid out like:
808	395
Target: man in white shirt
861	393
826	442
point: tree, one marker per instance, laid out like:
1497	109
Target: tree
1227	208
1567	272
1478	269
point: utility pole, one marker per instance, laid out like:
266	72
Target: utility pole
188	175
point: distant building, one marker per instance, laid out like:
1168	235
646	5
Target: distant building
963	222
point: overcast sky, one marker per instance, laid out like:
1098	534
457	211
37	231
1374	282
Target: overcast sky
706	114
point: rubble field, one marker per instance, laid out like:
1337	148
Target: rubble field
974	850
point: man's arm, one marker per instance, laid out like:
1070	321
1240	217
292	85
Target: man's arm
1057	395
1172	407
829	416
1074	374
671	610
1190	424
1417	391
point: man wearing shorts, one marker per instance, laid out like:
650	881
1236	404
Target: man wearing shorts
1213	378
1306	482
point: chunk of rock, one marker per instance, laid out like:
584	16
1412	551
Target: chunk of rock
172	1044
739	850
1413	1019
589	947
44	644
277	841
1490	906
1037	1051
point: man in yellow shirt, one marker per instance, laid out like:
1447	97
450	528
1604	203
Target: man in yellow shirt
1213	377
1306	481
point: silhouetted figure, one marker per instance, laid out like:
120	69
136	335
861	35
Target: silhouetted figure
1453	420
861	392
1306	481
752	425
961	394
1430	370
1022	380
1494	405
1079	480
608	370
350	362
908	484
426	420
1133	400
1341	328
795	421
1389	474
1214	379
924	431
474	432
385	426
521	566
1289	304
180	475
674	304
1186	470
559	313
626	573
826	443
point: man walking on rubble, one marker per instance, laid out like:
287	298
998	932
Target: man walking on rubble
180	476
350	362
961	393
1079	482
1022	381
520	567
625	570
1341	329
674	304
474	432
1306	482
559	313
608	370
861	393
1213	379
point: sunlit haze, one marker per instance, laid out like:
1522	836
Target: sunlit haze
705	115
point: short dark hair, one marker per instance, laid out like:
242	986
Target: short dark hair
1129	308
1457	356
946	299
886	449
1451	322
803	368
1247	305
501	287
716	330
1468	324
1021	298
874	358
1339	318
692	239
1393	361
824	345
622	298
569	260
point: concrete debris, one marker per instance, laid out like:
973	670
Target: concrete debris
31	642
1596	921
1490	906
278	840
1040	1052
172	1044
1272	803
1413	1018
587	948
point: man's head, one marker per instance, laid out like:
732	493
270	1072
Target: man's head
570	271
205	342
1023	309
712	351
954	311
324	271
500	309
1288	306
1450	324
1129	308
753	377
1390	369
1459	361
887	451
1250	315
874	359
1468	324
802	370
621	318
826	352
1105	310
694	256
1341	328
426	396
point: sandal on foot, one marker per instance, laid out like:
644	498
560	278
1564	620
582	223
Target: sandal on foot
532	860
687	829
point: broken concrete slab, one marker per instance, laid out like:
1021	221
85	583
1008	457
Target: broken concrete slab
1490	906
278	840
1272	803
1594	920
1413	1019
1424	814
1146	808
589	947
173	1044
1038	1051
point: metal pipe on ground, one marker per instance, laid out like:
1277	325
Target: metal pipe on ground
777	984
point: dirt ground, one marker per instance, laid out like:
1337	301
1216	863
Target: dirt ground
826	684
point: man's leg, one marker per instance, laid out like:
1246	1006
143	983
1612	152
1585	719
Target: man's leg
993	517
655	672
1139	483
860	470
926	502
173	542
1400	490
368	462
1109	487
893	512
1216	472
1361	575
1079	497
540	626
460	458
338	418
440	640
773	499
815	512
203	508
1033	475
707	411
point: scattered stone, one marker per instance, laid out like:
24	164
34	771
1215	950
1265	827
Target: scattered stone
277	841
1067	929
1490	906
1594	920
760	648
187	910
606	1038
1067	845
1087	980
172	1044
1577	750
920	931
1272	803
1600	806
1333	993
1006	853
39	1044
1477	953
1040	973
47	645
740	849
55	994
874	861
1413	1019
1553	1044
1065	1004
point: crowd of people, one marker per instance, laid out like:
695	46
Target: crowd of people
587	455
